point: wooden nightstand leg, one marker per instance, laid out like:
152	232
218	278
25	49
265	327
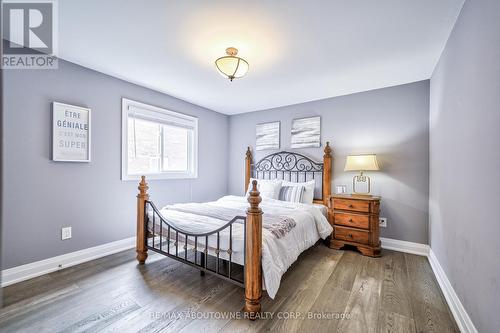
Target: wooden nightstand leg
335	244
370	251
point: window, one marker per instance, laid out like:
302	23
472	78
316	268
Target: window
158	143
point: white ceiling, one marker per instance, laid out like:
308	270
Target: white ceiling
298	51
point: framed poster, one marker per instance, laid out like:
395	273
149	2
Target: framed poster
306	132
267	136
70	133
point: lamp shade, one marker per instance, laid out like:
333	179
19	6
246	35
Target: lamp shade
361	163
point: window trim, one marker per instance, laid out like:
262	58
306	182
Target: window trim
158	114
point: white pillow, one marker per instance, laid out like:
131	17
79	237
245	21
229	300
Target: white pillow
267	188
308	195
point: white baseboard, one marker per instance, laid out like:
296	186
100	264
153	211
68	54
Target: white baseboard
34	269
404	246
463	320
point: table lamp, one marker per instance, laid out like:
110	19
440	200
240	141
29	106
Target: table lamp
361	163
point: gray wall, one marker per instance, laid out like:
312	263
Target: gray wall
41	196
391	122
465	161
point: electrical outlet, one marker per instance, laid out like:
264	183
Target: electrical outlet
65	233
382	222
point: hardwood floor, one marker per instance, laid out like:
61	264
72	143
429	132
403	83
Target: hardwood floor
324	291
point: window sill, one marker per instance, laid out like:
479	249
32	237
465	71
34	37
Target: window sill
159	176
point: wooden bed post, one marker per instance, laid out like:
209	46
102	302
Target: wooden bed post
327	173
248	166
142	197
253	253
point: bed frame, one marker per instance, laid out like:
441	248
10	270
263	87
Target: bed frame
184	246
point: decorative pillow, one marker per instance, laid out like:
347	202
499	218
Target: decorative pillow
267	188
291	193
308	195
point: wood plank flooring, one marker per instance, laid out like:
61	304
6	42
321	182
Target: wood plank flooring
324	291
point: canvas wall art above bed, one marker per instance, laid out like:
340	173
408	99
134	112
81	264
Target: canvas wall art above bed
267	136
306	133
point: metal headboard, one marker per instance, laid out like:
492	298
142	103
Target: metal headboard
292	167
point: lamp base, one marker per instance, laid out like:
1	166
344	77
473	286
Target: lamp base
361	178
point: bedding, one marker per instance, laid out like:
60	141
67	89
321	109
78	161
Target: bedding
291	193
308	195
278	253
267	188
279	225
322	208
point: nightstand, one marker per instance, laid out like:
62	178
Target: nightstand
355	221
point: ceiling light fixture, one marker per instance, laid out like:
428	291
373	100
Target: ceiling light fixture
231	66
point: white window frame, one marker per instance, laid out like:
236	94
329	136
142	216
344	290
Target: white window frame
165	116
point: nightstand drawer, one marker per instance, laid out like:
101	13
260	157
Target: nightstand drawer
354	205
353	220
352	235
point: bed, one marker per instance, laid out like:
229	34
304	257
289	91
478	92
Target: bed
250	241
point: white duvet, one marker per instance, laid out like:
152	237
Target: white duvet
277	254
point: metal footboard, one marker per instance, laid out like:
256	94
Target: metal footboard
193	248
167	240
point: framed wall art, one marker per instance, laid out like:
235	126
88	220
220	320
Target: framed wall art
70	133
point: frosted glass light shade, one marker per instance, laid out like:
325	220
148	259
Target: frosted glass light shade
361	163
230	66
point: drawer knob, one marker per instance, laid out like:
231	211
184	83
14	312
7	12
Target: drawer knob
350	235
351	206
350	220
